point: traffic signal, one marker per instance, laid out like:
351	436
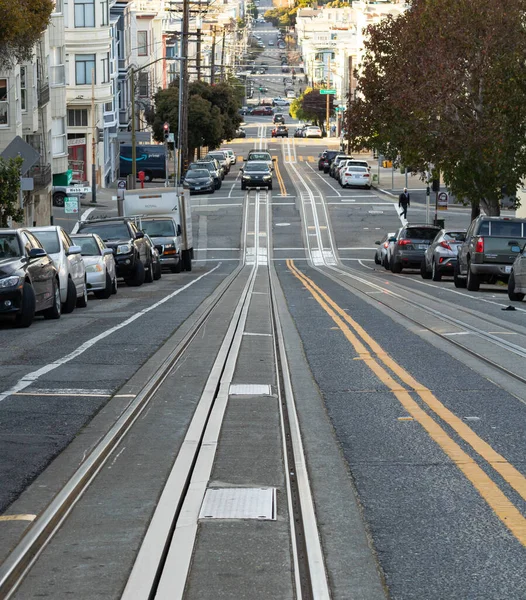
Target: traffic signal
435	186
166	130
100	135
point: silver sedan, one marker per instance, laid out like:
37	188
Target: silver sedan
101	276
383	245
441	256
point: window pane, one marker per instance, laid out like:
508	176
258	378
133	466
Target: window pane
142	43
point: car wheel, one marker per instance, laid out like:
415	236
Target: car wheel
27	310
460	282
114	287
138	275
71	298
82	301
270	186
386	263
423	270
107	291
377	260
512	294
472	281
396	266
243	186
187	261
436	275
157	272
177	268
148	275
54	312
147	176
59	199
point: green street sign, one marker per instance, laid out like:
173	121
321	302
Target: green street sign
340	108
71	205
327	92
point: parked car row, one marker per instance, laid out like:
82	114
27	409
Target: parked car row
206	175
492	249
46	271
348	171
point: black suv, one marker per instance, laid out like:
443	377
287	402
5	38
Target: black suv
410	246
278	118
133	252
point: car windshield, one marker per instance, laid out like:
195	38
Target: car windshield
9	246
209	166
89	246
257	166
455	236
157	228
197	173
108	231
421	233
48	239
259	156
218	155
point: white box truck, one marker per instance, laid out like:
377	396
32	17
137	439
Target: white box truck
165	215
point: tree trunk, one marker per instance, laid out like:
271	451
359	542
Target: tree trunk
475	210
491	207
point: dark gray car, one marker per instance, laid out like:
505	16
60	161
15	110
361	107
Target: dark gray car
412	243
441	256
199	180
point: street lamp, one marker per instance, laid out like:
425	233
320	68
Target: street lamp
133	132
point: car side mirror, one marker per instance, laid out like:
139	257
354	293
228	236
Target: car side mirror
241	169
378	242
36	253
139	235
274	159
107	251
74	250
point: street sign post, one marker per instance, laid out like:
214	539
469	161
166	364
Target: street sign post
71	205
331	92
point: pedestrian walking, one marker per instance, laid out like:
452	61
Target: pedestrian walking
404	202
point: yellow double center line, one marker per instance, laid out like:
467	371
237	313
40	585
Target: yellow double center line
282	187
374	356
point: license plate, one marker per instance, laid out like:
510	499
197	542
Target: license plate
422	246
197	187
507	269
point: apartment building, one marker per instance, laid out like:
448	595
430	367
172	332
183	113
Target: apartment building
33	107
331	40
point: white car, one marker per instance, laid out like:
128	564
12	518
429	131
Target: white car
271	43
312	131
291	95
354	176
69	264
101	276
280	102
231	155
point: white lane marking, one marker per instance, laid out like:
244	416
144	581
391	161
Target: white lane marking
87	213
446	289
457	333
30	378
357	248
325	181
366	266
199	249
376	202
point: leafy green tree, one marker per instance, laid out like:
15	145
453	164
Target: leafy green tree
213	113
21	26
314	106
458	102
10	191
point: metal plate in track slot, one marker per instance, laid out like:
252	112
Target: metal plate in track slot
250	389
239	503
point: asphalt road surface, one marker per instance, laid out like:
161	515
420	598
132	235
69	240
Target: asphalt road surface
410	401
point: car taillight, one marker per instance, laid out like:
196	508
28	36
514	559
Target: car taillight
479	247
404	242
445	245
366	174
386	244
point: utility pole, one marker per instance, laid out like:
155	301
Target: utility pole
327	131
223	55
198	49
93	143
213	58
184	97
133	135
349	108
